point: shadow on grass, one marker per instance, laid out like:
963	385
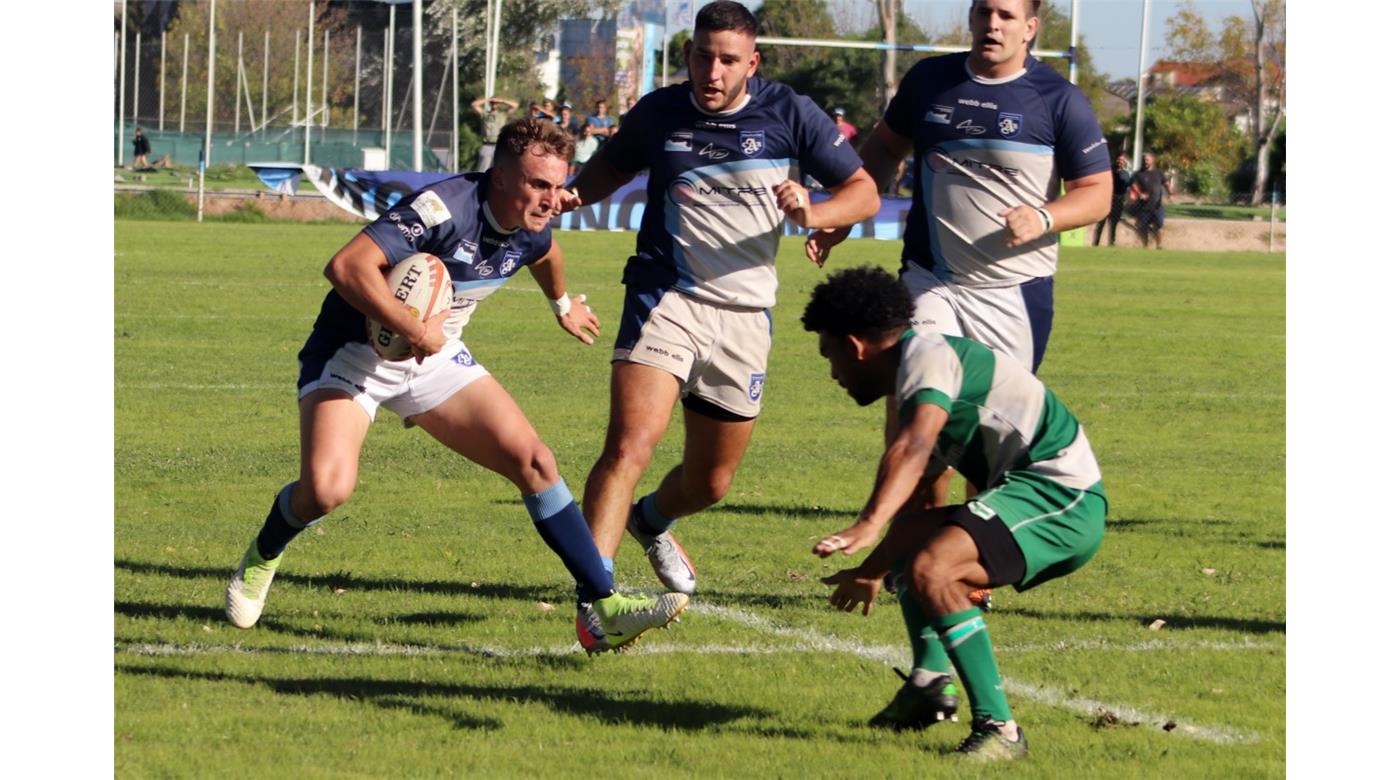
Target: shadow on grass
738	508
620	708
350	581
1246	625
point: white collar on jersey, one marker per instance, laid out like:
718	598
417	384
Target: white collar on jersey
491	219
967	66
734	110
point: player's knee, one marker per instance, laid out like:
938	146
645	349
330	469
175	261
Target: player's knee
537	464
709	488
630	451
935	583
325	492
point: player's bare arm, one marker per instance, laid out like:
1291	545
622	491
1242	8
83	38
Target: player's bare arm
357	273
851	201
901	468
880	157
598	179
574	314
1086	201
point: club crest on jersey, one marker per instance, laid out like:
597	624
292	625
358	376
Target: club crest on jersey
750	142
755	387
464	358
940	115
1009	124
679	141
465	252
509	264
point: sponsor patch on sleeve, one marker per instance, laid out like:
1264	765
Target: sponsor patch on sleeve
431	209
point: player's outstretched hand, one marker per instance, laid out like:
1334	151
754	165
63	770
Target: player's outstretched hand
580	321
850	541
1023	225
795	201
853	590
821	242
432	339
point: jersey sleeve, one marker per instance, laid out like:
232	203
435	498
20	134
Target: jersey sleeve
626	149
421	222
539	245
929	373
899	115
823	151
1080	147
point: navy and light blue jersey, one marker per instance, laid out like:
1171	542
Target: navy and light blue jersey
712	223
982	146
449	219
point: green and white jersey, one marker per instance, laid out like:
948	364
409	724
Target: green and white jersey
1001	418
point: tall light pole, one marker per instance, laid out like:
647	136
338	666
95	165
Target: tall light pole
1141	86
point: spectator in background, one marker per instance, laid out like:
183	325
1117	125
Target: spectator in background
626	106
545	110
1122	177
495	113
600	126
142	148
567	120
1148	194
846	128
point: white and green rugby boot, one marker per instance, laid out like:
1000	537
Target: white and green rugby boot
623	619
247	591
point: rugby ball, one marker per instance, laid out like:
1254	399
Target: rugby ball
421	284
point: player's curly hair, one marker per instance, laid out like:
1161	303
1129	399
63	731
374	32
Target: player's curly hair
726	15
865	301
520	136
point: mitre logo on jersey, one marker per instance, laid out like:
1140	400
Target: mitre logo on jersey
750	142
1009	124
755	387
679	141
509	264
940	115
431	209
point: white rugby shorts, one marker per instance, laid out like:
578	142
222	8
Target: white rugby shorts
404	386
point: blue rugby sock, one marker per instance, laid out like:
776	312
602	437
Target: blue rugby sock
651	520
559	521
281	525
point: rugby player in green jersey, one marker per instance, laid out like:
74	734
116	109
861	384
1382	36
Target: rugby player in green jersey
963	406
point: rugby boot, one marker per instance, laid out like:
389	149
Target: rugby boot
625	618
915	707
986	743
247	590
667	558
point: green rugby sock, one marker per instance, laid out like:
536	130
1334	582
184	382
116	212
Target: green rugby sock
923	637
965	637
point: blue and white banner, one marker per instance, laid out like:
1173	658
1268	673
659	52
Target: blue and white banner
367	194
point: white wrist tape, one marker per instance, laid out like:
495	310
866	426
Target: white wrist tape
1047	219
562	305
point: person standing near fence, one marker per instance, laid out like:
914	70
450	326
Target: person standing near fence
1122	177
142	147
495	113
1149	193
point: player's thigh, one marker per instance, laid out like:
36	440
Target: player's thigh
483	423
641	399
714	448
1012	320
333	428
935	305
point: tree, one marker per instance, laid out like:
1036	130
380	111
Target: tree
1195	138
1251	57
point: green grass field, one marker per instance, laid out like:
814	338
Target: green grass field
425	630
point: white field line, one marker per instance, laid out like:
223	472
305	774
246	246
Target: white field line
1044	694
804	641
290	386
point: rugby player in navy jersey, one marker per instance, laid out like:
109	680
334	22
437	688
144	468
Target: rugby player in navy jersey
485	227
726	152
994	134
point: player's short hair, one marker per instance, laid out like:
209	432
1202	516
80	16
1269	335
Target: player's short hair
724	15
1032	7
522	135
864	301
